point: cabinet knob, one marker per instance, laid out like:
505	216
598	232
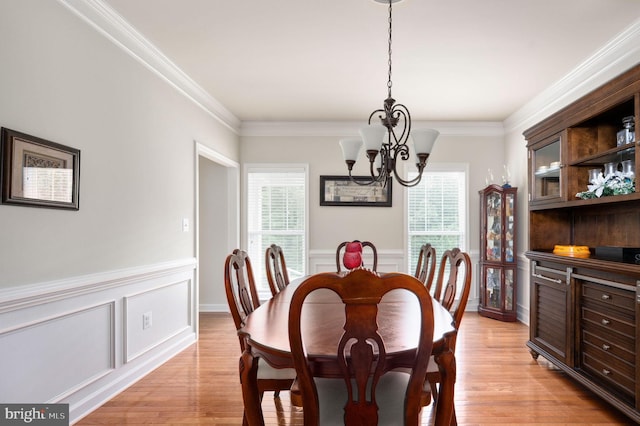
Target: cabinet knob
605	347
606	297
605	321
606	372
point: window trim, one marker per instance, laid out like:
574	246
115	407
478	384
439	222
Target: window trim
247	168
438	167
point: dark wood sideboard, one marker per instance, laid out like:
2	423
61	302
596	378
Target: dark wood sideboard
584	311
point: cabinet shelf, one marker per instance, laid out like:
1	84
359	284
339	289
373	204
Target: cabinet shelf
551	173
577	202
626	151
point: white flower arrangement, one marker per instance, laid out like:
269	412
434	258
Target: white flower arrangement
616	183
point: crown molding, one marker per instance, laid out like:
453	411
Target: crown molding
350	128
618	55
109	23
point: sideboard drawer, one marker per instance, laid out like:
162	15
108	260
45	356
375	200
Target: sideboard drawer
609	296
621	380
610	345
603	324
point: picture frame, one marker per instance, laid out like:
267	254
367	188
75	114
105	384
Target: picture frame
342	191
35	172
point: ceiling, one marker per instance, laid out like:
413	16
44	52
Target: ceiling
326	60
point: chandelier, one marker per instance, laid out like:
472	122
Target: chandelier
388	139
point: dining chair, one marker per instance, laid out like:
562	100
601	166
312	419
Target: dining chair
445	292
346	249
426	267
276	268
241	297
362	390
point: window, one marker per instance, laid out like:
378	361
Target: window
276	214
437	212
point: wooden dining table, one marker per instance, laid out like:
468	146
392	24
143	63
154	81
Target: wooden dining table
266	335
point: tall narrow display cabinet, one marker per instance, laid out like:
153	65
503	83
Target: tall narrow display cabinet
497	253
584	241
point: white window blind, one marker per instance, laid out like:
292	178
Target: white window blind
276	214
437	209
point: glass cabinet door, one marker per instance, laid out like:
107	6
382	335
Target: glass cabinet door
508	289
509	219
545	165
499	285
493	288
494	227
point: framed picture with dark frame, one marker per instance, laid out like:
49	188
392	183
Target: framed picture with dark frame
342	191
37	172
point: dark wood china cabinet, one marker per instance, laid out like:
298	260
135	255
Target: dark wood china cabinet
497	253
584	309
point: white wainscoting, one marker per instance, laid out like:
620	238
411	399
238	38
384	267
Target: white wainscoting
388	260
81	340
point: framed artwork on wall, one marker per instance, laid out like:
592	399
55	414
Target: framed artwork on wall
342	191
38	173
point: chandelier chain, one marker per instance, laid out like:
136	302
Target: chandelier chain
389	83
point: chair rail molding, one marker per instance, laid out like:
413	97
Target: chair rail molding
82	340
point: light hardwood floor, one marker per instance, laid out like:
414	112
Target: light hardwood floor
498	383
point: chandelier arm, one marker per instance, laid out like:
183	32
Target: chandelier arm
374	180
402	111
411	182
402	151
374	113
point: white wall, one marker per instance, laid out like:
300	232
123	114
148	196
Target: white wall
74	284
63	81
479	145
384	226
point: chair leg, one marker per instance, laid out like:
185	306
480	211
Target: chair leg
434	391
279	411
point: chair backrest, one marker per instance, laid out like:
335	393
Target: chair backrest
240	287
361	353
426	267
276	269
346	245
451	262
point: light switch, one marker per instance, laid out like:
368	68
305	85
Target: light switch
185	225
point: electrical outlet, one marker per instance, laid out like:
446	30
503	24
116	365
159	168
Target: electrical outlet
146	320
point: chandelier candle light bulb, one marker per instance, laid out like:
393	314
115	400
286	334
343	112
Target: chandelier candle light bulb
373	137
350	150
423	141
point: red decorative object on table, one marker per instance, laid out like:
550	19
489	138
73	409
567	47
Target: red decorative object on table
353	255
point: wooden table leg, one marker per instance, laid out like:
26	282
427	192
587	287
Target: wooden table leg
445	410
250	394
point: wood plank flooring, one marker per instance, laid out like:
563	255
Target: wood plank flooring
498	383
